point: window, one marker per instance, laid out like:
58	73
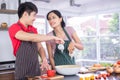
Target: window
100	35
109	36
40	24
85	26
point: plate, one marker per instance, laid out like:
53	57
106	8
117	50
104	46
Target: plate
97	68
84	70
68	69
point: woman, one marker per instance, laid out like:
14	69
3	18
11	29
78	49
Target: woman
68	34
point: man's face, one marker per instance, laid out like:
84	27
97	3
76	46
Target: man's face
31	18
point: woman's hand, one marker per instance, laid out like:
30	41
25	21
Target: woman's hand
45	65
71	47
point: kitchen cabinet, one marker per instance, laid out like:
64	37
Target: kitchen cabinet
7	75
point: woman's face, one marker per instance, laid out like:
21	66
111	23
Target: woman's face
54	20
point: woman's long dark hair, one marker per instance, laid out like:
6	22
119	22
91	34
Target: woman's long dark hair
59	15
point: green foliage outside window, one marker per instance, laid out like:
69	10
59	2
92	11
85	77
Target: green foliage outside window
114	23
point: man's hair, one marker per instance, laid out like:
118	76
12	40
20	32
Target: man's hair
28	7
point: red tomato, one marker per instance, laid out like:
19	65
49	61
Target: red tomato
108	74
118	62
51	73
104	76
96	77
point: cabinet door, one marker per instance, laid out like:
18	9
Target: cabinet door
7	76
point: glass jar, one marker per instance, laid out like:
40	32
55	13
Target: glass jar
3	4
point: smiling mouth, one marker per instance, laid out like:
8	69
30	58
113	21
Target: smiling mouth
52	23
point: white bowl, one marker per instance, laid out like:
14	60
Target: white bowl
68	69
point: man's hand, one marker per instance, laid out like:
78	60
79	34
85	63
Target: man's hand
45	65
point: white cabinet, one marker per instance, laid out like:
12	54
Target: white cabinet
6	50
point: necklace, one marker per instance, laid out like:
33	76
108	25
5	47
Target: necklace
61	34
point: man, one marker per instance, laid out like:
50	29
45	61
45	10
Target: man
27	43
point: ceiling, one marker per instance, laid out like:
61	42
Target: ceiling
85	6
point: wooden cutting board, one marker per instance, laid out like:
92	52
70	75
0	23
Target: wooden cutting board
57	77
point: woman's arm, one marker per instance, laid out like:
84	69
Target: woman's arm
75	44
51	55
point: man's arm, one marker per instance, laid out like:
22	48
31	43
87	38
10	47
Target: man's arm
25	36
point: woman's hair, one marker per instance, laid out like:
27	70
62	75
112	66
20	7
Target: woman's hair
28	7
58	14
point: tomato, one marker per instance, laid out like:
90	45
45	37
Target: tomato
118	62
108	74
51	73
96	77
104	76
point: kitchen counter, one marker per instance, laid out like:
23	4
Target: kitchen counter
77	77
72	77
9	75
113	76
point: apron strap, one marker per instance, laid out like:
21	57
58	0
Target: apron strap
65	33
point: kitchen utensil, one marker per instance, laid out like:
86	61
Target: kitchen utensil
67	69
61	47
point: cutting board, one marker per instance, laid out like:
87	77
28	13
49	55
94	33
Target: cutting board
57	77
